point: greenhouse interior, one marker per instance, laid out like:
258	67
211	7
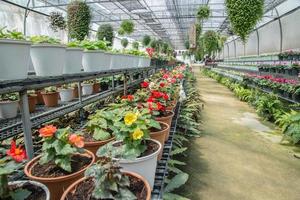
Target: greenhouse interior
149	99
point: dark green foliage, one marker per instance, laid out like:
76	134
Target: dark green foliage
124	42
187	44
210	42
106	33
203	12
57	21
135	45
79	17
127	26
244	15
146	40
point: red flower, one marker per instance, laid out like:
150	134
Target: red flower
18	154
156	94
150	106
130	97
165	96
173	80
144	84
151	99
150	51
166	76
48	131
162	84
160	106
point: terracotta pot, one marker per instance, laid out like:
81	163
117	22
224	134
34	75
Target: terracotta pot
94	146
57	185
96	88
75	92
50	99
161	136
72	187
167	120
40	99
32	100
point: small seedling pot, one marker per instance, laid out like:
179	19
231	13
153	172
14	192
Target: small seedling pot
66	94
87	89
8	109
50	99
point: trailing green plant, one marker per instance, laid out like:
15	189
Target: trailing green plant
146	40
203	12
244	15
106	33
127	26
74	44
94	45
210	42
291	127
124	42
79	18
57	21
136	45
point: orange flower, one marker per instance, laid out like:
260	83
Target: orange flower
76	140
18	154
48	131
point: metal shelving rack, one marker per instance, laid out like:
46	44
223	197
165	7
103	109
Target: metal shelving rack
26	121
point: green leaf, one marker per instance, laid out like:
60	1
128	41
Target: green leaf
100	134
176	162
20	194
66	150
176	182
178	151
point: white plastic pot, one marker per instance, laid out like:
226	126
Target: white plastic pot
145	166
14	59
141	61
8	109
73	61
147	62
66	94
87	89
116	61
48	59
20	184
95	60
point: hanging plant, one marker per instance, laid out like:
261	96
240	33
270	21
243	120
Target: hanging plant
187	44
127	26
124	42
203	12
244	15
153	43
146	40
79	18
135	45
210	42
57	21
106	33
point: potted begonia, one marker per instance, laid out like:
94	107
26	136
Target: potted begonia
14	55
16	190
32	100
74	54
50	96
47	55
66	93
134	149
108	182
87	87
62	161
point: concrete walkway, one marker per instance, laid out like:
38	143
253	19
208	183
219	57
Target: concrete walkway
239	157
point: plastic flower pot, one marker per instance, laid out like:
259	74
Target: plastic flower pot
21	184
95	60
57	185
66	94
50	99
141	59
117	61
8	109
48	59
75	92
146	166
160	136
96	88
32	100
94	146
40	99
72	188
14	59
168	120
87	89
73	61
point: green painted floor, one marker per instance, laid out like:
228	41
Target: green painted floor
238	157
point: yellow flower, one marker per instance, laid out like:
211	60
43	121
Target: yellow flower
130	118
137	134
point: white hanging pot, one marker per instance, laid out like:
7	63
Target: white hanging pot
87	89
14	59
8	109
145	166
96	60
48	59
73	61
20	184
66	94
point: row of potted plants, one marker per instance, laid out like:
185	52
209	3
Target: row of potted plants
49	96
52	58
125	168
291	70
289	55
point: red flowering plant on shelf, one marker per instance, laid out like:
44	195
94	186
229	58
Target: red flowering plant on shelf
11	160
59	146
